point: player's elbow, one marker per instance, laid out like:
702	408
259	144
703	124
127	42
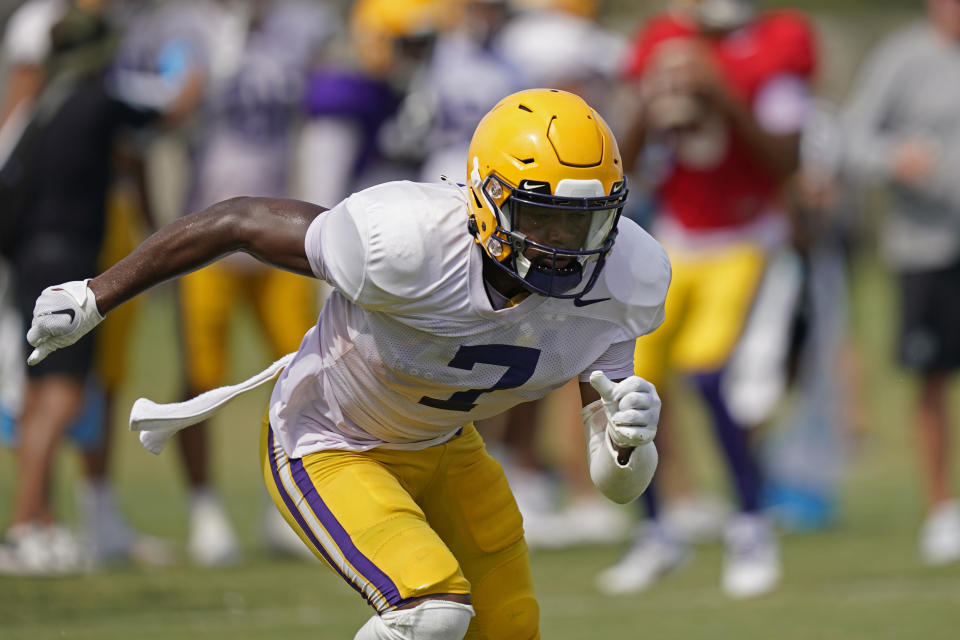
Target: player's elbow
243	219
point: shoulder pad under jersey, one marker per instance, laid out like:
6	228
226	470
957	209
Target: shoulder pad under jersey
408	232
635	278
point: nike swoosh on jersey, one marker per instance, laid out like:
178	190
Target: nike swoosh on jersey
70	312
578	302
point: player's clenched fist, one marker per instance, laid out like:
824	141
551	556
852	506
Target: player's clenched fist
632	407
64	313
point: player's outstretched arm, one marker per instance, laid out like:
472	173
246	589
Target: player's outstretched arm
271	229
620	422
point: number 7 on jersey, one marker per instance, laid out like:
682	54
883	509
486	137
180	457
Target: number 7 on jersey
521	362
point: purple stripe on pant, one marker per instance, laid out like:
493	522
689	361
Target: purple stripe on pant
292	507
341	538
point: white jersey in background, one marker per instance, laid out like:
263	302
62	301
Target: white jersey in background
409	348
556	48
254	58
466	79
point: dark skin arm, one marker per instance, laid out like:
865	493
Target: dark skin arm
270	229
589	395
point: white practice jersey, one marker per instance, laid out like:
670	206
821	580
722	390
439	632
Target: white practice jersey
408	348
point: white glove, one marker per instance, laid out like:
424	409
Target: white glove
64	313
632	407
619	480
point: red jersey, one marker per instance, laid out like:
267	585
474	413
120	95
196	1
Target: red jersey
739	188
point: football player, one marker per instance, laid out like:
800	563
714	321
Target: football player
560	44
451	303
723	93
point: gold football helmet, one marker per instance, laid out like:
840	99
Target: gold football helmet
379	27
546	190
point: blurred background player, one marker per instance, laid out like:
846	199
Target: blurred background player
12	371
903	129
560	43
550	43
76	110
806	450
725	91
254	56
464	78
357	93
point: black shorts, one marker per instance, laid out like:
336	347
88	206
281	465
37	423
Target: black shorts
929	320
47	261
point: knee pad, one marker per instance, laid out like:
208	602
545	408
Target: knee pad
429	620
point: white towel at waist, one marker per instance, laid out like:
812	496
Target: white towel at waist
158	422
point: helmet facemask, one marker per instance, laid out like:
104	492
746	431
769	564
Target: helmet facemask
551	241
546	189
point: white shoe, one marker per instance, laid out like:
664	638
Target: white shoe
212	542
544	530
698	519
37	550
654	553
535	498
279	538
751	562
579	524
940	535
109	539
594	521
533	490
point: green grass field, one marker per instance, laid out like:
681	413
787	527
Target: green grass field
861	579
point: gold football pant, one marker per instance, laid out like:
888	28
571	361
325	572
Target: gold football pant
284	304
707	307
397	525
113	336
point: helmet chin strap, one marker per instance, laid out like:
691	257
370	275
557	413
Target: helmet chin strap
541	276
555	280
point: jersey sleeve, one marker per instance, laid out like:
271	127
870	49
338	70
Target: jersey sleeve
636	277
616	362
373	246
336	250
783	104
26	39
795	43
866	118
